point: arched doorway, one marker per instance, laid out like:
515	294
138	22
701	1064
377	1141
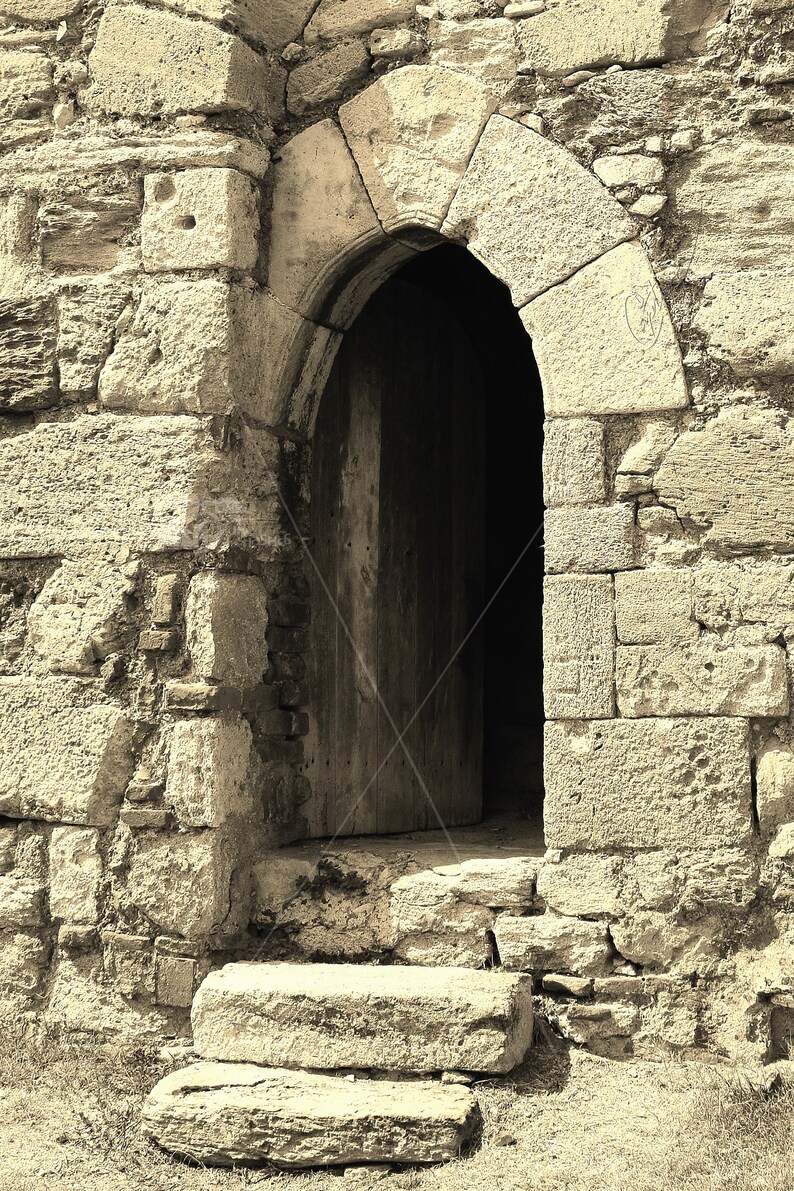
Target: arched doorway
426	489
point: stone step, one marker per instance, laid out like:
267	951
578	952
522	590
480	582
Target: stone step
225	1113
344	1015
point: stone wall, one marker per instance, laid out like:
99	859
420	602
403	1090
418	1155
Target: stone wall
197	198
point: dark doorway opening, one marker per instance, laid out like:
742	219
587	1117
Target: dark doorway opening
426	489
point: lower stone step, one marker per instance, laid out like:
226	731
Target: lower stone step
344	1015
226	1113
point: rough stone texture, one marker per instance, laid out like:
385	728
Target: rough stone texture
485	49
432	927
89	233
775	786
226	1113
654	607
327	76
546	942
609	323
559	217
147	62
734	479
706	678
25	83
75	875
573	462
497	883
83	999
200	219
211	776
39	10
392	1018
88	313
23	958
269	22
587	886
81	615
746	318
21	902
628	169
346	18
578	646
226	623
27	353
412	134
782	846
590	539
738	595
647	783
64	758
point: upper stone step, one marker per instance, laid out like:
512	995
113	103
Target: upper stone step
344	1015
224	1113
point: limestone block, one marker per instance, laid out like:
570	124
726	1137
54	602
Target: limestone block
89	233
326	77
88	312
430	926
223	1114
175	981
603	1027
653	880
268	22
782	846
588	886
654	607
81	615
734	479
485	48
25	84
651	783
412	134
728	595
23	958
226	622
582	539
725	880
75	875
153	63
747	318
27	353
775	786
578	646
62	757
39	10
551	943
559	217
21	902
323	221
145	483
650	938
211	774
736	200
573	462
628	169
129	963
498	883
82	999
199	219
609	323
346	18
182	882
346	1015
705	677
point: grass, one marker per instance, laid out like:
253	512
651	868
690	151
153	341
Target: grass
567	1121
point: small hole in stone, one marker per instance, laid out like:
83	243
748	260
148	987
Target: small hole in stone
155	355
164	190
187	223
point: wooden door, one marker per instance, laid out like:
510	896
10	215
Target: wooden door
398	535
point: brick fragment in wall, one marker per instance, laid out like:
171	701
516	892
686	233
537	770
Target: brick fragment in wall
212	771
707	677
226	625
746	319
85	233
23	962
552	943
775	786
578	646
27	353
175	978
65	756
573	462
81	615
589	539
153	63
75	875
647	783
340	18
167	594
88	312
326	77
200	219
483	48
201	696
654	607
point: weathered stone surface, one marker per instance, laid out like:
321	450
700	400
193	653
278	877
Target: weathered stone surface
412	134
431	926
734	479
608	322
578	646
497	883
81	615
327	76
83	999
590	539
25	83
39	10
63	758
782	846
23	958
75	875
269	22
559	217
485	49
702	678
200	219
775	786
145	483
636	467
588	886
747	317
346	18
226	622
731	595
549	943
89	233
21	902
647	783
340	1015
573	462
222	1114
27	353
88	312
147	62
211	774
654	607
735	199
628	169
175	979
